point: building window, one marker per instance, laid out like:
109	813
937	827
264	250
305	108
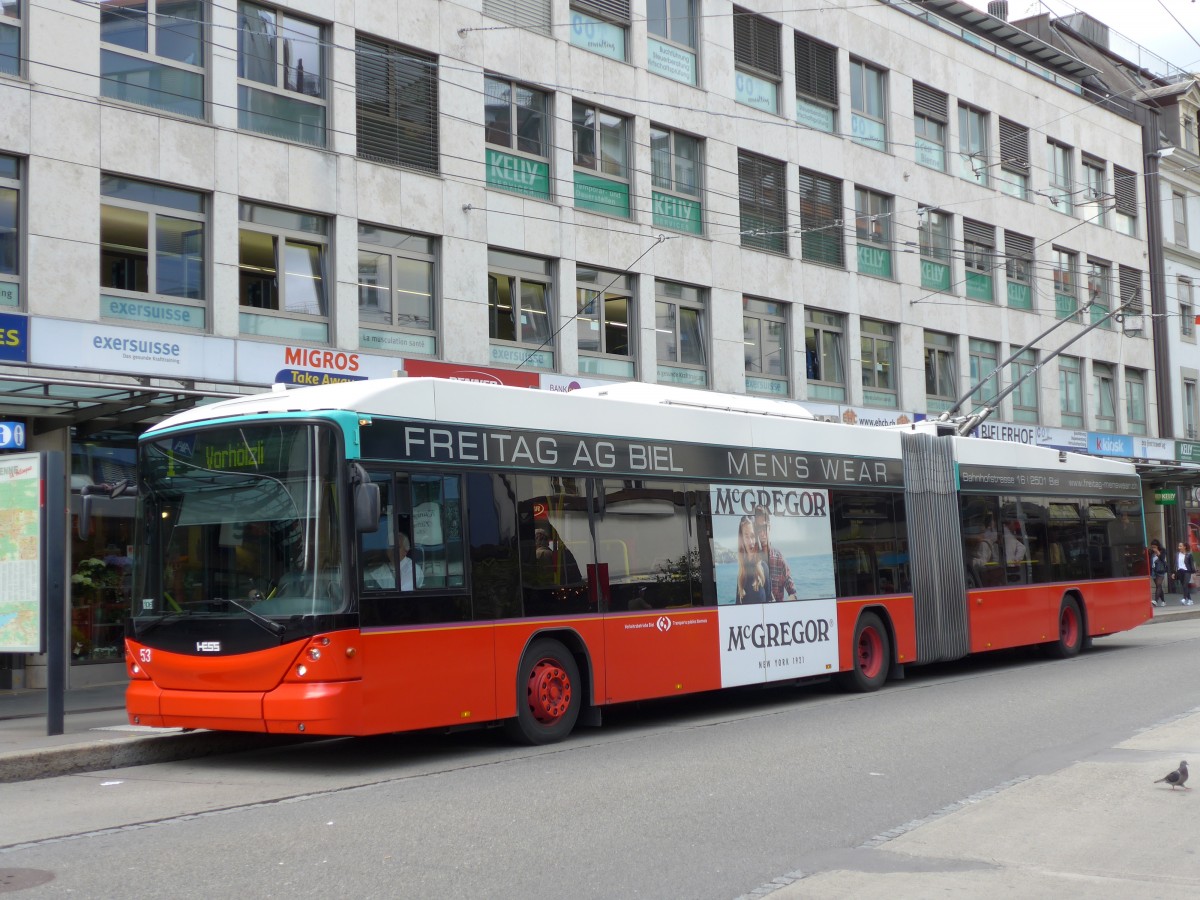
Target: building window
520	310
764	334
281	75
152	53
676	164
931	114
605	321
1023	371
821	217
1061	178
396	99
873	227
1099	283
816	83
1125	187
515	120
1189	408
600	26
757	60
1018	269
762	194
10	231
1187	310
877	341
671	39
282	265
824	355
973	144
1064	264
934	236
601	149
395	291
979	259
1094	205
152	247
868	104
941	372
1130	280
681	334
984	357
1179	209
531	14
10	37
1135	400
1070	391
1104	385
1014	159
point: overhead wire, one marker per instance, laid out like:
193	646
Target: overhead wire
709	190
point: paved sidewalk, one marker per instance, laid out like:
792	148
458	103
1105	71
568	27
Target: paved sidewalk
1100	828
97	734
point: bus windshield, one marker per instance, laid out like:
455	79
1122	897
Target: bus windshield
239	521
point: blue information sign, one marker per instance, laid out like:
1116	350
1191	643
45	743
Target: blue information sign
12	435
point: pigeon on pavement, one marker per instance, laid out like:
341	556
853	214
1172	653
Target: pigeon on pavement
1176	778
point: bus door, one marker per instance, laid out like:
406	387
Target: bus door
424	663
652	539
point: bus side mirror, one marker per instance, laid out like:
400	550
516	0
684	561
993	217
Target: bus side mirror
366	499
366	507
84	526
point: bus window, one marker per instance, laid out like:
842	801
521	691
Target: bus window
981	541
1125	535
1066	548
869	555
553	529
437	539
492	524
1023	539
643	534
376	560
412	565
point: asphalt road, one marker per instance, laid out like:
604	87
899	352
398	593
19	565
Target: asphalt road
708	797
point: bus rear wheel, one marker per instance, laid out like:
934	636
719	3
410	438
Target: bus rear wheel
1070	630
548	694
872	656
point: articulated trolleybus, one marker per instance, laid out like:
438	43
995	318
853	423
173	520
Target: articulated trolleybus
402	554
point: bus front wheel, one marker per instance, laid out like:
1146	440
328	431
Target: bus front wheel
548	694
872	656
1070	630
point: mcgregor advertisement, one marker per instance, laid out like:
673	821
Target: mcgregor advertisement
773	555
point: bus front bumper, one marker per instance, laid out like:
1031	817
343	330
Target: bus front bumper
325	708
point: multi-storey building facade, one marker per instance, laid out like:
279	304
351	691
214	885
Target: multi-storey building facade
866	209
1165	100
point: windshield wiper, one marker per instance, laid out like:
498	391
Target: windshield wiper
262	621
139	630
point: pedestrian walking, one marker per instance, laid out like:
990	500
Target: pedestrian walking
1184	567
1158	573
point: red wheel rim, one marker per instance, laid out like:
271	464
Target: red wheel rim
549	691
1068	627
870	652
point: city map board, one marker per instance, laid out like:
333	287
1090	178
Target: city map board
20	553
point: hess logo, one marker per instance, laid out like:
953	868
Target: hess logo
208	646
663	624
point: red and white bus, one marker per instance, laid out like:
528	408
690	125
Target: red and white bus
403	554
